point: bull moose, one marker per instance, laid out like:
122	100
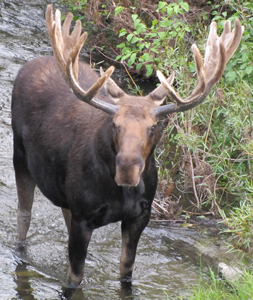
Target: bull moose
88	145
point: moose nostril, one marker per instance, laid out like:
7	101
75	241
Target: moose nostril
127	161
128	170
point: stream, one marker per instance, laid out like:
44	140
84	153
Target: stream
171	258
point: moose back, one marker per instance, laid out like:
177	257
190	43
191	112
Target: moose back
88	145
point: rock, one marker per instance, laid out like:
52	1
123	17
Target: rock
229	273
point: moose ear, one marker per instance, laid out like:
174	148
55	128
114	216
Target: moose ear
159	103
115	92
159	94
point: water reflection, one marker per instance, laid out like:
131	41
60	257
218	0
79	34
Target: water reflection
126	291
24	289
24	279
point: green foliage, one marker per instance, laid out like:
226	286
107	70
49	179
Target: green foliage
75	7
220	132
149	47
118	9
240	223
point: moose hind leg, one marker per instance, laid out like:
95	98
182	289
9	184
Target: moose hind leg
25	189
67	217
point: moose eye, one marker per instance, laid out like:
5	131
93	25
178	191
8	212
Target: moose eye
152	130
115	128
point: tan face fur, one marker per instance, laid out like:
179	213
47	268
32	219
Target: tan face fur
135	136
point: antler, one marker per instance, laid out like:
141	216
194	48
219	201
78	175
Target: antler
66	49
218	52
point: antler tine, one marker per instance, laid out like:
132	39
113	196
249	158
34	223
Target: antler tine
56	44
201	81
231	43
66	26
66	48
218	52
63	43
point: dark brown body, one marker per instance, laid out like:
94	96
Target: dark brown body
68	149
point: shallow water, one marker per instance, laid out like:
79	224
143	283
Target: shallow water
169	256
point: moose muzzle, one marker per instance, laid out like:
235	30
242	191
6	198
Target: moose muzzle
128	170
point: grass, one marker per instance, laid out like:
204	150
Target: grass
219	289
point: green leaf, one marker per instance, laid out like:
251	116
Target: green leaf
249	70
137	22
118	57
154	50
176	8
138	67
122	45
122	32
149	70
245	56
151	35
134	17
173	33
154	22
147	45
244	65
187	28
165	23
129	37
146	56
131	60
169	11
126	50
231	75
141	46
161	4
124	57
118	10
134	40
162	35
140	28
185	6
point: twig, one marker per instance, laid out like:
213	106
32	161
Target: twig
122	63
193	183
97	48
170	220
198	214
209	125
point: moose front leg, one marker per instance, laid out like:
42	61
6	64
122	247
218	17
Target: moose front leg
79	239
131	232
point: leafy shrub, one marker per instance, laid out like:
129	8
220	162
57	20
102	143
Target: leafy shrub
150	46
